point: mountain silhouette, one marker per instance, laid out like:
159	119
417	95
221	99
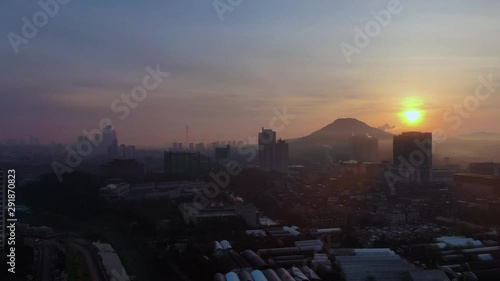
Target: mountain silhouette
339	132
480	135
331	142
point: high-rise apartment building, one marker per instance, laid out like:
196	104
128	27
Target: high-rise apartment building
273	155
413	154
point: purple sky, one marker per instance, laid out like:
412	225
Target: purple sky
227	76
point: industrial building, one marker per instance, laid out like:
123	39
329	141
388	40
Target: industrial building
217	213
380	264
463	258
115	191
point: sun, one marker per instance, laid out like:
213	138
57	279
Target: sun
413	116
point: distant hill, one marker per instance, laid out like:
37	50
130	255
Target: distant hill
330	143
480	136
339	132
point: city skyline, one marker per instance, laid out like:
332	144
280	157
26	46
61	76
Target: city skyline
238	140
227	76
251	140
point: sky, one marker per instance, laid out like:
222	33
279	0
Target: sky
227	74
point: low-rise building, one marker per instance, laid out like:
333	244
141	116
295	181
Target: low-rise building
471	186
114	191
487	169
217	213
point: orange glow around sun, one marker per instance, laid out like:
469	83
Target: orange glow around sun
412	115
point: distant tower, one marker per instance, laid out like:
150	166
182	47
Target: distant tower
273	155
267	139
187	135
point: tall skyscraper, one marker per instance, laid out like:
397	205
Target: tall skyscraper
113	150
273	155
281	157
109	138
364	148
413	154
267	139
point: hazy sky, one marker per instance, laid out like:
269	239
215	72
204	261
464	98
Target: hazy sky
227	76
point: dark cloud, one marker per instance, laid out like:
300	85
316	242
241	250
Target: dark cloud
386	127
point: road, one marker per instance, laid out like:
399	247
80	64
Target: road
44	263
92	268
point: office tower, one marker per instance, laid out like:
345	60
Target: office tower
273	155
413	154
281	157
191	146
179	146
108	139
113	149
364	148
174	146
267	139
